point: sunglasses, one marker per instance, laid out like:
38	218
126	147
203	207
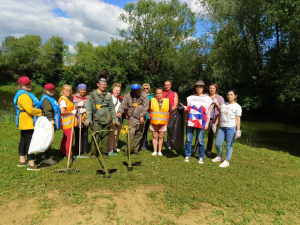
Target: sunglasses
213	84
146	88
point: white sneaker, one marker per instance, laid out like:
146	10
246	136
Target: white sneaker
110	151
187	159
218	159
160	154
201	161
117	149
224	164
154	153
50	161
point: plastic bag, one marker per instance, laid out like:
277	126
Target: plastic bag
43	136
176	128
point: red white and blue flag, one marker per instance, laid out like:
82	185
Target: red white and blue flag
197	110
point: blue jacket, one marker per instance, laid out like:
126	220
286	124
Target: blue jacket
56	109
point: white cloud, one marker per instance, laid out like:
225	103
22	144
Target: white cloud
89	20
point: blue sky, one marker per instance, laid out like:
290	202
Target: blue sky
74	20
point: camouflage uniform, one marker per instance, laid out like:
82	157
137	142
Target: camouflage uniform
101	110
137	108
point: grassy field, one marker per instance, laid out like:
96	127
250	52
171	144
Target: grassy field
260	187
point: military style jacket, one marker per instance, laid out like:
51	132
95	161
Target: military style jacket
137	106
100	108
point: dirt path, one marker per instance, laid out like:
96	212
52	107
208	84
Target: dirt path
141	206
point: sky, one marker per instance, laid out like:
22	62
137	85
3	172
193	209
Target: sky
74	20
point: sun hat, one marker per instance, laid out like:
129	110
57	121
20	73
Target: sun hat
200	82
49	86
81	86
23	80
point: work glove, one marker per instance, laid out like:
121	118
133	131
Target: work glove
215	101
80	104
238	134
116	123
87	123
82	111
74	111
214	128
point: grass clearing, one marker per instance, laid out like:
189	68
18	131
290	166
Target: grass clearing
260	187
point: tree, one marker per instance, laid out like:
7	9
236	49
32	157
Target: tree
155	30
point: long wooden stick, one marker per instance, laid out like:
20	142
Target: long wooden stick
71	142
80	134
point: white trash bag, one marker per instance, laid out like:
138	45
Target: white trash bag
43	136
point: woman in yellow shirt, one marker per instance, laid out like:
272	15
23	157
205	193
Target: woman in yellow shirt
27	110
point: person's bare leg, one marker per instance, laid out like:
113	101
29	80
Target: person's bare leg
154	140
22	159
161	140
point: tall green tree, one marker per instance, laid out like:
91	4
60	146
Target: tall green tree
155	30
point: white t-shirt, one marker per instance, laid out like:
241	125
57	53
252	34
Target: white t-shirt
115	100
62	104
197	107
228	114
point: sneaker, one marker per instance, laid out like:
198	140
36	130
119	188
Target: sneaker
201	160
136	153
21	164
169	147
154	153
33	168
117	149
52	157
110	151
224	164
187	159
85	154
160	154
218	159
50	161
208	153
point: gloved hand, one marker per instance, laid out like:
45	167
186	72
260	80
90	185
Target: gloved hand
185	108
82	110
74	111
116	123
87	123
214	128
238	134
79	104
215	101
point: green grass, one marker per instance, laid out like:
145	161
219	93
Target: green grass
260	187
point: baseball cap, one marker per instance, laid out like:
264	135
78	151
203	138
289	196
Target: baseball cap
23	80
49	86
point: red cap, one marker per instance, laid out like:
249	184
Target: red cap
23	80
49	86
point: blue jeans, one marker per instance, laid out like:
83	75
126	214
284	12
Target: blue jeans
227	133
189	139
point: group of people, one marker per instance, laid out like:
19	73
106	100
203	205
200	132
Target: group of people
103	113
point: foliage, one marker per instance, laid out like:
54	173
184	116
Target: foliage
255	48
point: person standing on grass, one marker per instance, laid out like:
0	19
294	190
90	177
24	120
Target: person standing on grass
79	100
146	88
173	97
137	104
230	127
114	135
198	107
160	109
215	108
27	110
68	111
51	110
100	112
